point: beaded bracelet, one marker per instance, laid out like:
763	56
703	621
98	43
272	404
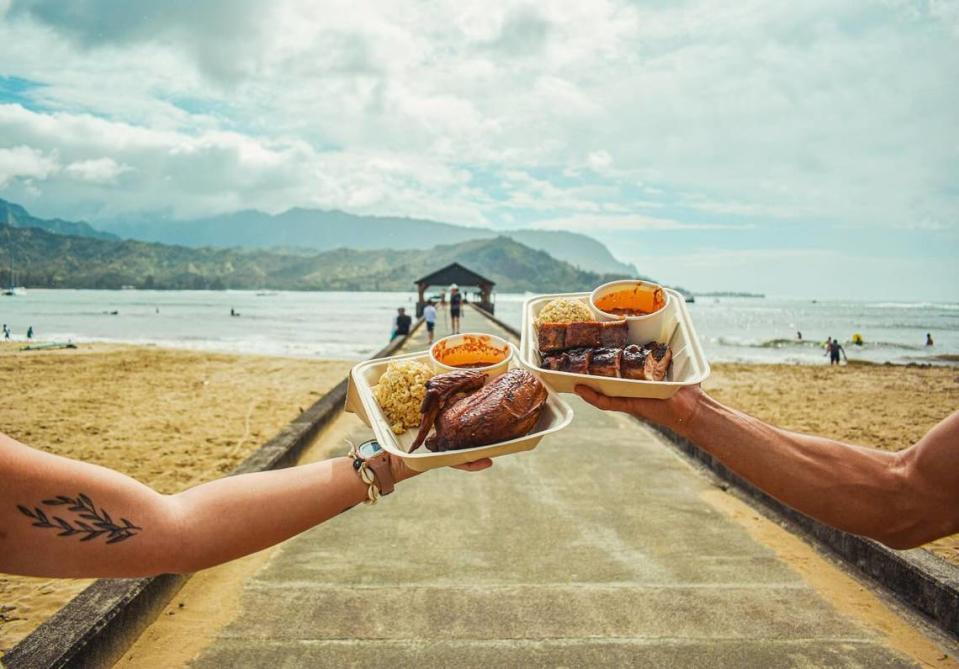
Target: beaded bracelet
366	475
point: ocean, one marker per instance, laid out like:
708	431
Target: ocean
352	326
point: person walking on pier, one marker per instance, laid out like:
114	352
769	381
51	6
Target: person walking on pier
429	315
456	305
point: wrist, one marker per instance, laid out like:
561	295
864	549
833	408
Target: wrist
375	468
688	413
400	470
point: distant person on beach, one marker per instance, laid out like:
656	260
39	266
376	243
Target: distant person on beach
903	499
429	315
30	332
456	306
833	350
929	339
798	335
401	324
69	519
6	331
233	312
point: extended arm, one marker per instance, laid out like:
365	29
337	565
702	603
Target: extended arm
902	499
60	517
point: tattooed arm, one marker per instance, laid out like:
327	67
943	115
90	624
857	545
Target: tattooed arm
61	517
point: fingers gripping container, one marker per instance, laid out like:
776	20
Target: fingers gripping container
360	400
673	326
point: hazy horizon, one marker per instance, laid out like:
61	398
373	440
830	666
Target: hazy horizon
799	151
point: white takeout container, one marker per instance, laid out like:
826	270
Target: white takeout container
656	326
689	365
492	341
360	400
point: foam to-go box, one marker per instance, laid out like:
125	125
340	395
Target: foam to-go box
689	366
360	400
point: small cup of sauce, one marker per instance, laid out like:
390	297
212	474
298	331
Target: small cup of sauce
644	305
482	352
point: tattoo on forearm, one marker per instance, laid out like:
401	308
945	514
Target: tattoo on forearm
89	522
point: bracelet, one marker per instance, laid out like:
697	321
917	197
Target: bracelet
366	475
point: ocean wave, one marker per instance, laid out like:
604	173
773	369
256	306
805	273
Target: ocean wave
884	344
790	343
945	306
810	344
769	343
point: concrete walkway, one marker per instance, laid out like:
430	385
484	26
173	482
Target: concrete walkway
601	547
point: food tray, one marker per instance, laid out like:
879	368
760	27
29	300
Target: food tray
689	364
360	400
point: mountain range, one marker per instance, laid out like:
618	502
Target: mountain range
318	230
47	259
17	217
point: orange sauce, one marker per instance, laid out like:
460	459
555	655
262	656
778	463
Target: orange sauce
640	300
472	352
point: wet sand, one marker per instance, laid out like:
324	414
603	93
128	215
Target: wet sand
171	419
881	406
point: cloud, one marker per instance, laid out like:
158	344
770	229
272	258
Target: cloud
222	36
523	31
599	161
820	111
97	170
190	175
26	163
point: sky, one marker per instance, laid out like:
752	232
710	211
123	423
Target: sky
793	148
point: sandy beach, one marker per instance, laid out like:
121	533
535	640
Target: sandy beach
169	418
881	406
176	418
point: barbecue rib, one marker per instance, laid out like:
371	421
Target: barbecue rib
554	337
639	363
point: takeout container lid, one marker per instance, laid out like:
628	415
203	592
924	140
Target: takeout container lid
689	363
359	400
